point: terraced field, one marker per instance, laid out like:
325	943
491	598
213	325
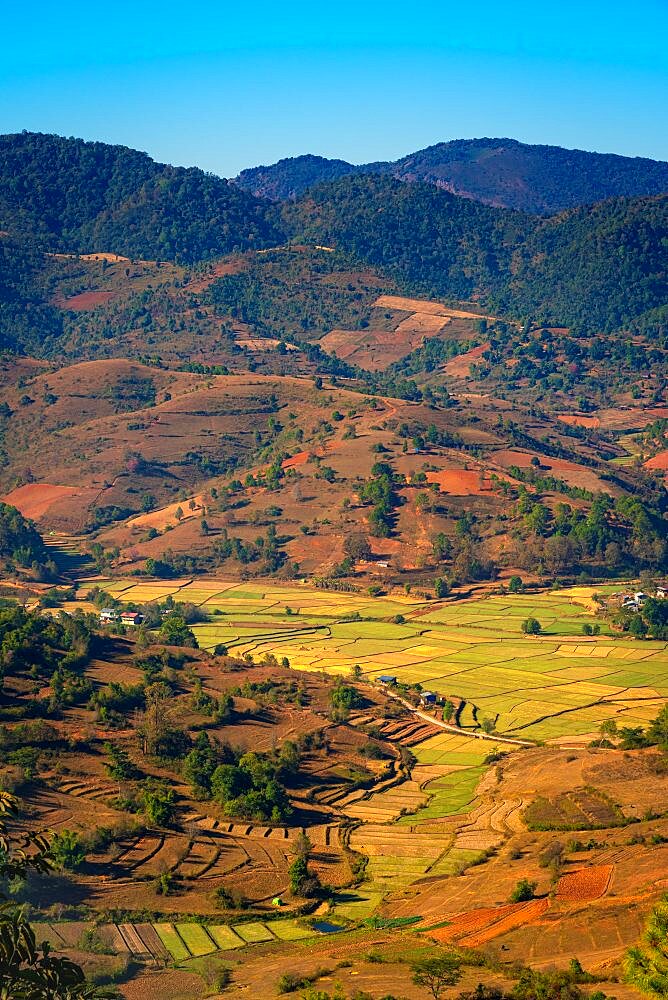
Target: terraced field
560	684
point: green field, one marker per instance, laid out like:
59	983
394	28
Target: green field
560	683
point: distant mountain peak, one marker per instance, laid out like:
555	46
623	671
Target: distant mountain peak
503	172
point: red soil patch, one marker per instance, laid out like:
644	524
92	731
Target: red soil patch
576	420
85	300
34	500
459	366
659	461
301	458
461	482
202	282
585	883
477	927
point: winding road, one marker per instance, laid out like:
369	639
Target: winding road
449	728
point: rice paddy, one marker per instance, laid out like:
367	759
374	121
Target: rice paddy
558	684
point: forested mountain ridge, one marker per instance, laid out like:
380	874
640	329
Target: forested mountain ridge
500	172
597	267
81	197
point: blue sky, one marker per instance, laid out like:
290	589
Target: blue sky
228	85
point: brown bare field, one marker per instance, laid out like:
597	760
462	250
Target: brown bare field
192	507
374	350
111	258
425	306
561	468
459	366
579	420
659	462
85	300
36	499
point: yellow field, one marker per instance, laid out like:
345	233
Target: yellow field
558	684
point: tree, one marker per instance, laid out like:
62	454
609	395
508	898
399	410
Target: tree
637	627
120	767
175	632
523	891
158	804
646	964
658	730
299	873
356	546
437	974
66	851
531	626
655	614
515	585
441	587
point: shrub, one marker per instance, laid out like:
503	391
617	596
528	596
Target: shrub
523	891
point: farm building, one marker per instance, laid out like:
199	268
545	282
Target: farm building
108	615
427	697
132	618
386	679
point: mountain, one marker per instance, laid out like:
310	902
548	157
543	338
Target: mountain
501	172
597	267
290	177
70	195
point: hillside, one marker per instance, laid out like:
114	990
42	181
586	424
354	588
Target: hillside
70	195
333	555
502	172
601	267
166	472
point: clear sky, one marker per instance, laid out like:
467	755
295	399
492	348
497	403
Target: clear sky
224	85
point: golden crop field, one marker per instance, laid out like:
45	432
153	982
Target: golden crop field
560	684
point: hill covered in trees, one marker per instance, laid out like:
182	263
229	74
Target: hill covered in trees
501	172
598	267
81	197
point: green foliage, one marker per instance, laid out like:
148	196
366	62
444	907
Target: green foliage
538	179
119	767
646	964
21	545
531	626
67	850
432	241
29	971
523	891
158	803
250	788
342	699
75	195
47	647
175	632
